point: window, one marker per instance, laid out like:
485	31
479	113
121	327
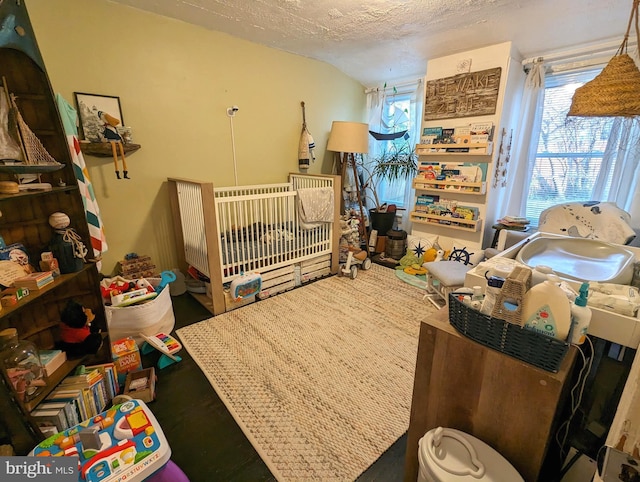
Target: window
570	150
398	113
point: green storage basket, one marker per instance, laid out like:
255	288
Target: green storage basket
526	345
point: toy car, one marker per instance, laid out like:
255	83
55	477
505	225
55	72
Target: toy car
354	260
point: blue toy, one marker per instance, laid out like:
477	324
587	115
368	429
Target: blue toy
246	286
166	277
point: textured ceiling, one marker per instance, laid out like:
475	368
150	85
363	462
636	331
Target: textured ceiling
379	40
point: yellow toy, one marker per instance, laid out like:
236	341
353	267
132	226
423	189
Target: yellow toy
415	269
430	255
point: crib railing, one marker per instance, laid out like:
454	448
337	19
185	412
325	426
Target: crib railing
250	228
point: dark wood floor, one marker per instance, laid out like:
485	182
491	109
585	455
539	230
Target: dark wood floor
205	440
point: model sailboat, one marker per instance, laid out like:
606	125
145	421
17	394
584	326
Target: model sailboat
387	127
21	151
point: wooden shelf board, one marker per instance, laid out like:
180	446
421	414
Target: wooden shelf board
428	185
54	190
103	149
34	294
52	382
37	329
473	226
476	149
452	191
475	145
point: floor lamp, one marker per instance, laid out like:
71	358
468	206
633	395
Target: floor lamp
350	138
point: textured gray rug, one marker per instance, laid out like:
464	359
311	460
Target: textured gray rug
319	378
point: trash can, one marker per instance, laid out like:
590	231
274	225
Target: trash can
396	244
446	455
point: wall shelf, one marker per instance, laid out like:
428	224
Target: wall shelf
35	294
25	220
454	187
448	222
32	193
103	149
475	149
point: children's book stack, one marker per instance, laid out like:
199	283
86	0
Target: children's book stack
516	223
34	281
77	398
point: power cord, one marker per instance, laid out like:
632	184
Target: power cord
563	431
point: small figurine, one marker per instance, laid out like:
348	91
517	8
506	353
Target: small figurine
75	330
66	245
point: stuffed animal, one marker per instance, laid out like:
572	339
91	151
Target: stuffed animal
75	330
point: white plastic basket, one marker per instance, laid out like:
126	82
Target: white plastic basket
149	318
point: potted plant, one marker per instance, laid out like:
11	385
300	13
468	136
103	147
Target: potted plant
399	161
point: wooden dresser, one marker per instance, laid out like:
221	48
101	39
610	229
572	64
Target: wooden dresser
511	405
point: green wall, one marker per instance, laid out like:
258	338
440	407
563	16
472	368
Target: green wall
175	82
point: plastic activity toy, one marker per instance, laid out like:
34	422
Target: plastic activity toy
124	442
165	344
246	286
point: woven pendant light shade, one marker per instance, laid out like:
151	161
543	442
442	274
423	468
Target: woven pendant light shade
616	90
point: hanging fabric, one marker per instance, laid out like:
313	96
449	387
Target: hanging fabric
92	211
306	145
384	127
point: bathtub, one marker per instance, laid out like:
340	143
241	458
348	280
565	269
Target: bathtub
580	259
614	327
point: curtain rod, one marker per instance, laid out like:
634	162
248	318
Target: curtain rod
391	87
605	48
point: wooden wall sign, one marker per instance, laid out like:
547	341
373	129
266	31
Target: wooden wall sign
463	95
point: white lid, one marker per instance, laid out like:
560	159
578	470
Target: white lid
452	455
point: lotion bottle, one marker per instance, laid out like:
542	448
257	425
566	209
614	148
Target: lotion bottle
580	316
546	310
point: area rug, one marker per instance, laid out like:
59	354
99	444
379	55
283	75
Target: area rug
319	378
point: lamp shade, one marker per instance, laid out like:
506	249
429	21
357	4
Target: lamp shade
349	137
614	92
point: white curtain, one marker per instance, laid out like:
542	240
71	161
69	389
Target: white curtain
378	100
622	154
525	142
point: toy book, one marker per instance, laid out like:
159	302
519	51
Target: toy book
110	376
429	134
93	390
126	357
73	396
68	408
50	417
51	360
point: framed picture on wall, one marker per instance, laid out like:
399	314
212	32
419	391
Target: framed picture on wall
99	116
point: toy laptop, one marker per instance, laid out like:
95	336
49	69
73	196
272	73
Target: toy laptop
123	443
245	286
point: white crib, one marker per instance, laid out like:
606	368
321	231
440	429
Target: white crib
225	232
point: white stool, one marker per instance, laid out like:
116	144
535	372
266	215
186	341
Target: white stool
444	277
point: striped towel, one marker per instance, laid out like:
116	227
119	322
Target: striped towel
92	211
